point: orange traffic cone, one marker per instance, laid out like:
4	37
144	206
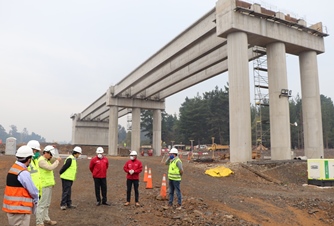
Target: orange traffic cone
149	179
145	174
163	187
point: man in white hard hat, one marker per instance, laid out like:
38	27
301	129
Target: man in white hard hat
21	195
133	168
99	167
33	167
68	174
175	172
47	163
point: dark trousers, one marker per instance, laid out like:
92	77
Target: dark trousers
66	193
100	185
175	186
129	187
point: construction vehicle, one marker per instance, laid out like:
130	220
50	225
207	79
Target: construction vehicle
146	150
218	147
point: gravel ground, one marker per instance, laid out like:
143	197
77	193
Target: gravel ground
243	198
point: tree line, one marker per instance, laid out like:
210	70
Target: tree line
205	118
21	137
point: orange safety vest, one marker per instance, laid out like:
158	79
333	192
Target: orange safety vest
16	199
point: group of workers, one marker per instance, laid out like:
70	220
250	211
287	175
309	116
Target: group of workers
30	181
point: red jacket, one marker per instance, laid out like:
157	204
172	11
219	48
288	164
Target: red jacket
136	166
99	167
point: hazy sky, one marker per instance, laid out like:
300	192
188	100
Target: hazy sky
57	57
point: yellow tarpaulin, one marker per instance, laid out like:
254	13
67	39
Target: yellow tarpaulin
220	171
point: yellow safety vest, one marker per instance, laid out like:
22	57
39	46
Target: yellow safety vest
174	171
70	173
47	177
33	168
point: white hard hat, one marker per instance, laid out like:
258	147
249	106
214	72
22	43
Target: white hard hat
174	151
51	149
34	144
77	149
24	151
99	150
133	153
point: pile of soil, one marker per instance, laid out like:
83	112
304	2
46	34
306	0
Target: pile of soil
243	198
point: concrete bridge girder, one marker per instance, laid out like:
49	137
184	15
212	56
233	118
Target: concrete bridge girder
201	76
199	52
182	41
99	103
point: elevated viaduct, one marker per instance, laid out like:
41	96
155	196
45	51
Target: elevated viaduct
222	40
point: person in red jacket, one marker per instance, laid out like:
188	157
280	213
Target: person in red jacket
99	166
133	168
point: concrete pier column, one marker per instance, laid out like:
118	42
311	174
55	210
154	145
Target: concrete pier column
135	130
157	132
278	104
74	118
239	97
113	130
311	106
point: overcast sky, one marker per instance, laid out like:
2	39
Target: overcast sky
57	57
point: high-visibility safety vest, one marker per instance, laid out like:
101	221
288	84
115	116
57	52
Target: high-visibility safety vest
33	168
16	199
71	171
47	177
173	170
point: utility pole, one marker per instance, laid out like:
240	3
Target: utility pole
192	147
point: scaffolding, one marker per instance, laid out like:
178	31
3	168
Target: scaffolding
261	97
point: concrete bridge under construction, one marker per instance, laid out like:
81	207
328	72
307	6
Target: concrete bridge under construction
222	40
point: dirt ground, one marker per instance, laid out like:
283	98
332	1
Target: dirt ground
243	198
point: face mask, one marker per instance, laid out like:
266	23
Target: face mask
36	155
132	157
99	156
171	156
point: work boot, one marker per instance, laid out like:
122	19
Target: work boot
50	222
71	206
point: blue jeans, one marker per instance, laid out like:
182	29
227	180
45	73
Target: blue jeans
174	185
